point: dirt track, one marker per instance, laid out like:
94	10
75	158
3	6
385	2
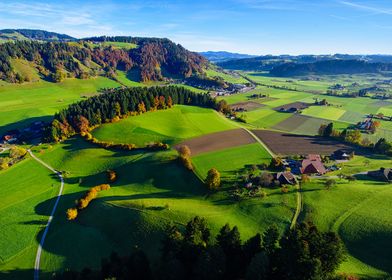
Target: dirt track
218	141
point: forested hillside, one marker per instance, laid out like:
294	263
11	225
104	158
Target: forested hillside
268	62
330	67
151	60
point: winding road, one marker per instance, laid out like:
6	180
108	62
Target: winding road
41	243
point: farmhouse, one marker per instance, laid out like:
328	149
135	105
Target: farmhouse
383	174
286	178
313	165
342	154
366	124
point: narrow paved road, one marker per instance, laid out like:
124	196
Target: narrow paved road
41	244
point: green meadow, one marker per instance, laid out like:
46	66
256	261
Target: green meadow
152	191
168	126
359	213
28	102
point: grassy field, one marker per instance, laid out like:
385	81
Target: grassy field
235	160
168	126
22	104
359	213
153	190
22	188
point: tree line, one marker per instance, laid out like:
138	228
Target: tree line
191	252
118	103
354	136
84	201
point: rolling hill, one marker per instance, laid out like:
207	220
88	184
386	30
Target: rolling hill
33	34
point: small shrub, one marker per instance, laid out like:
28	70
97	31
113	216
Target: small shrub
72	213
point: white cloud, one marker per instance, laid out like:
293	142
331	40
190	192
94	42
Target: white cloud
375	10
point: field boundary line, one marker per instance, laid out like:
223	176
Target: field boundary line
41	244
250	133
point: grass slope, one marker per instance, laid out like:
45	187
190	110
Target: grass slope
22	104
359	213
153	190
22	188
169	126
231	160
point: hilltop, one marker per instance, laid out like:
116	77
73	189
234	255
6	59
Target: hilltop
33	34
146	59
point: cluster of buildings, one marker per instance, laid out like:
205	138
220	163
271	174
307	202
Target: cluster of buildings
31	132
313	164
367	124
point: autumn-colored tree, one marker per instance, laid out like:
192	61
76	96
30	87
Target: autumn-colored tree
17	152
162	102
184	151
112	176
213	179
141	108
184	155
82	124
353	136
72	213
223	107
169	102
155	103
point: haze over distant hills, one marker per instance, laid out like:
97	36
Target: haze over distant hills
221	56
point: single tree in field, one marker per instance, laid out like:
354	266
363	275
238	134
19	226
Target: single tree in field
72	213
329	183
321	131
328	130
213	179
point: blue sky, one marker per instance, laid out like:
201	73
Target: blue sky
246	26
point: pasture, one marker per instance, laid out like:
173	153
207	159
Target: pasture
358	212
152	191
231	161
22	104
168	126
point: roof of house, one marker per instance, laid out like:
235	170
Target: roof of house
288	176
313	157
313	164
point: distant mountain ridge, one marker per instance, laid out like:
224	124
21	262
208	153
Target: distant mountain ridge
220	56
330	67
34	34
268	62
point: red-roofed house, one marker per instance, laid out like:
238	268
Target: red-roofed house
313	165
